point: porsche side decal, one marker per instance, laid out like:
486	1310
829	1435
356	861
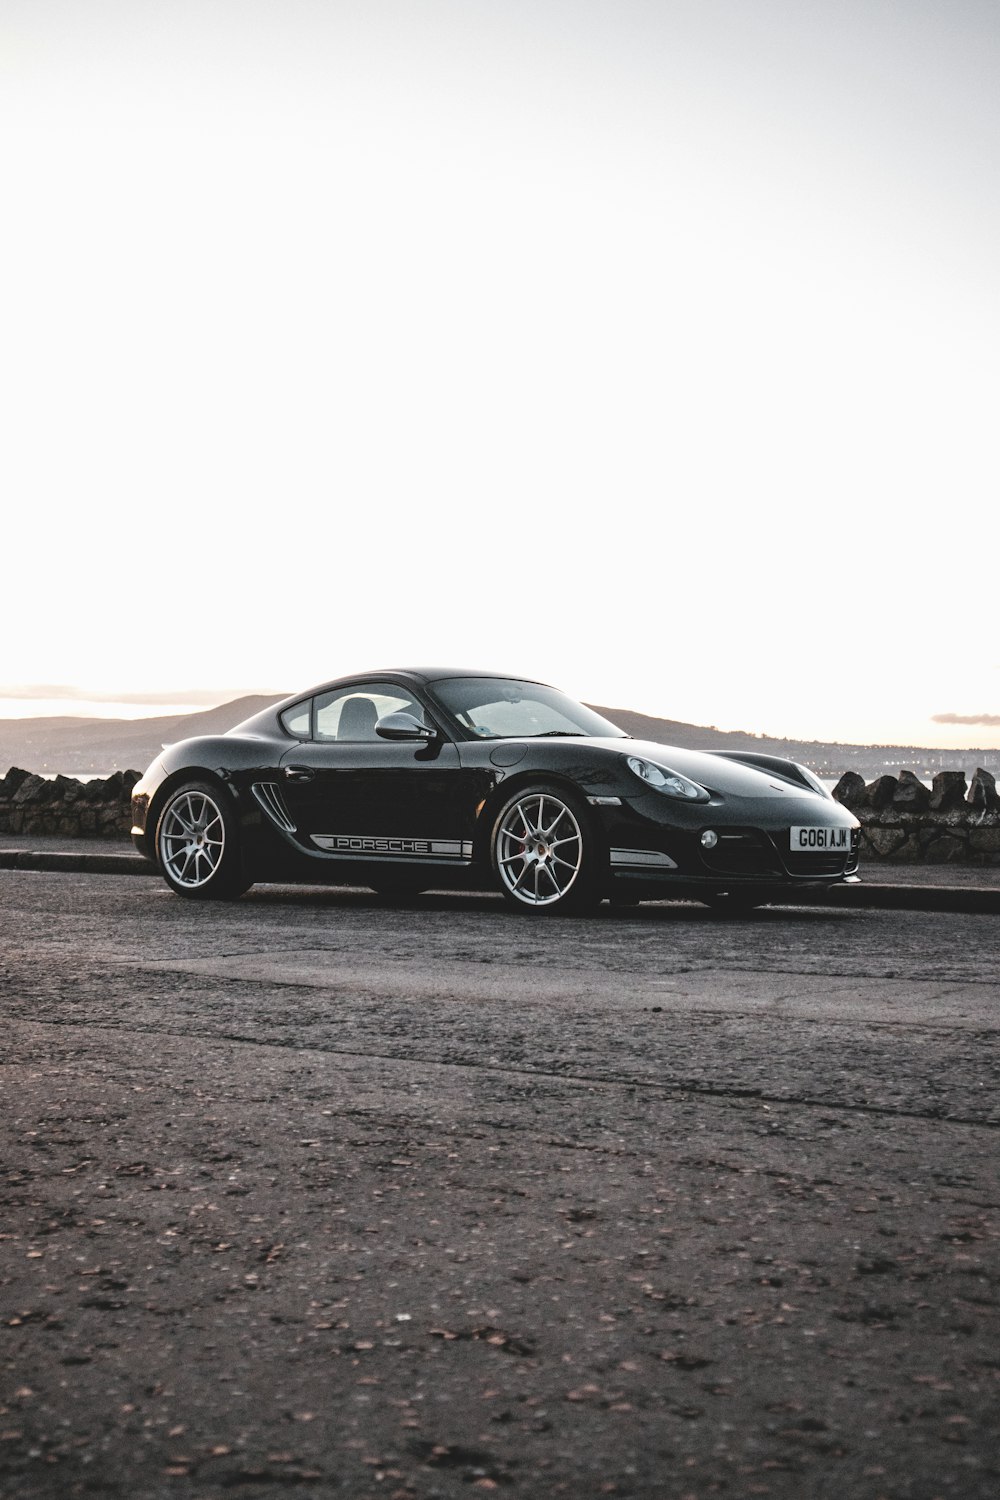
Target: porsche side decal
361	844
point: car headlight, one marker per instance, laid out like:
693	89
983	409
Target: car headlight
671	783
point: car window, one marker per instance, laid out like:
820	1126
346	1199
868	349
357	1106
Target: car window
350	714
504	708
296	720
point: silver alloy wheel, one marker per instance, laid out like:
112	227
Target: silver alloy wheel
192	839
539	849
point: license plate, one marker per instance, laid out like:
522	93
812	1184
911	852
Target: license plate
805	839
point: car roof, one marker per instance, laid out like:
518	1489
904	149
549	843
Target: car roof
437	674
423	675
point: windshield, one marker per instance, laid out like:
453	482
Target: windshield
500	708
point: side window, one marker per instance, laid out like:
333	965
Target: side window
350	714
295	720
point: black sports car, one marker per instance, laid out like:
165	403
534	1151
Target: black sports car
405	780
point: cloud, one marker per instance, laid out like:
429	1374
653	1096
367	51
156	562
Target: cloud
966	718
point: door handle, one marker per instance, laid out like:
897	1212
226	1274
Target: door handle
299	773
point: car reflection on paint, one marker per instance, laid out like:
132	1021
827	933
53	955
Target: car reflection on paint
411	779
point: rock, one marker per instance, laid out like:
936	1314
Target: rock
850	789
984	843
880	792
13	781
910	793
945	849
32	789
884	843
983	792
948	791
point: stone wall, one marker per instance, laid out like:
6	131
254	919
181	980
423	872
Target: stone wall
901	818
948	822
65	807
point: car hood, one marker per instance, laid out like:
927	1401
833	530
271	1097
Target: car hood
730	778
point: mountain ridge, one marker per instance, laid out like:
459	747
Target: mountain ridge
72	745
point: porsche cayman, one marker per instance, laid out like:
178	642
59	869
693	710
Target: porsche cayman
409	780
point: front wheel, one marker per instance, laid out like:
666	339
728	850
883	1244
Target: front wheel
197	845
544	852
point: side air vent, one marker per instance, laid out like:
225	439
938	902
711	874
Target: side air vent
268	794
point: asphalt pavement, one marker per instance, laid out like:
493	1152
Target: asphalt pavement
323	1194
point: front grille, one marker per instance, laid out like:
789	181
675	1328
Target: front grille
816	864
742	853
749	852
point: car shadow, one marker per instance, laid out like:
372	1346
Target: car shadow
487	903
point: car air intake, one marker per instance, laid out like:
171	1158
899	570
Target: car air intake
268	794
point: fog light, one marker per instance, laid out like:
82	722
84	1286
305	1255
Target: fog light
709	839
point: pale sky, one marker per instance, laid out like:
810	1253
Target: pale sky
648	347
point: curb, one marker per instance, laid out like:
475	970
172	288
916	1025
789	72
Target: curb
968	898
90	864
977	900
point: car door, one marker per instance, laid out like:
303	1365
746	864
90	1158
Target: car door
352	793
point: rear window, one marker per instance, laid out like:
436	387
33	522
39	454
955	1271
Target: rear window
296	721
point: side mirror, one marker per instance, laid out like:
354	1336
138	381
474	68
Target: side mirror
404	726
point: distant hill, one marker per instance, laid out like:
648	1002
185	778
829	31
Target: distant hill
827	759
81	747
75	746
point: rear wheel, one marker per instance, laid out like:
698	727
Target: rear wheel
544	852
197	845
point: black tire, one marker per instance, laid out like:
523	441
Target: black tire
198	844
545	854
